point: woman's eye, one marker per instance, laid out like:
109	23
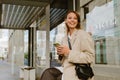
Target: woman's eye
69	18
73	18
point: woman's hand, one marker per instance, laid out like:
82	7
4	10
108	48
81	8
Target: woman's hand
63	50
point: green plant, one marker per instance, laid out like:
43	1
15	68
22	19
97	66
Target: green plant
26	55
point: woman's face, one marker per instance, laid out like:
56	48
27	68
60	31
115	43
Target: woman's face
71	20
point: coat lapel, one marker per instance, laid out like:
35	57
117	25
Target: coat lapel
74	36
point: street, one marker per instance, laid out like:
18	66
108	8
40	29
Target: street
6	73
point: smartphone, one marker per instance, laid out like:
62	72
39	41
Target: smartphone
56	44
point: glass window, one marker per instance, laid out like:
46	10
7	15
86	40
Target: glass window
100	47
103	23
41	48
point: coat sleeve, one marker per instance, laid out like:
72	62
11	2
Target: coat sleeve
63	42
82	50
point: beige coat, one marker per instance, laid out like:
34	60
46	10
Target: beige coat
82	52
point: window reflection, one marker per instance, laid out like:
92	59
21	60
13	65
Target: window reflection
100	47
41	48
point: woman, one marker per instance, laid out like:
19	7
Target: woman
81	43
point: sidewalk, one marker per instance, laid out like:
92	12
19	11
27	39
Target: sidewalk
6	73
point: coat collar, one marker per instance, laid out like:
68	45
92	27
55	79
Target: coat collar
73	37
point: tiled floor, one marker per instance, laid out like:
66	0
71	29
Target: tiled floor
6	72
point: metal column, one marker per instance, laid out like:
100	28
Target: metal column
48	36
32	47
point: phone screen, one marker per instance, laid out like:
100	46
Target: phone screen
56	44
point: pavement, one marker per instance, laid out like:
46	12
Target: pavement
6	72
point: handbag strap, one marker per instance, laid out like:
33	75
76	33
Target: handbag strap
70	47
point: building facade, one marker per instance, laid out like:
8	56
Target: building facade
107	58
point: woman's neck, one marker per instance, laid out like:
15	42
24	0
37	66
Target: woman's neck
71	31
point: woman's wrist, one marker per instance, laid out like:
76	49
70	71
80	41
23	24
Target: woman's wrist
66	54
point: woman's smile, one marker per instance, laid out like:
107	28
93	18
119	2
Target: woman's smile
71	20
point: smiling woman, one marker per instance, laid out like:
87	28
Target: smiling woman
77	46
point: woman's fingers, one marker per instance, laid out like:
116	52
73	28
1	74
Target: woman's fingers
59	49
63	50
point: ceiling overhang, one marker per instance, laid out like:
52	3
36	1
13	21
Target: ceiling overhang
58	10
36	3
20	14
